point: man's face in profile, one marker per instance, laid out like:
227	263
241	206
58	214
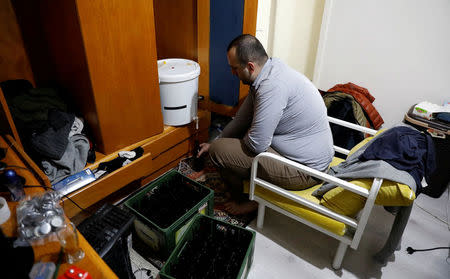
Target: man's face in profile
242	72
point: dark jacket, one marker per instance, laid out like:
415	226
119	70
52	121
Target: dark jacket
405	149
343	106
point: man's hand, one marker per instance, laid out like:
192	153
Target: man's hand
204	147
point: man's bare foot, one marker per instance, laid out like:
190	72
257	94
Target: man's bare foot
240	208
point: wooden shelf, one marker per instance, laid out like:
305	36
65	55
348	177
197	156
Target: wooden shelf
160	152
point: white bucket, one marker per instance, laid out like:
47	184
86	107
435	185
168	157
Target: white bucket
178	89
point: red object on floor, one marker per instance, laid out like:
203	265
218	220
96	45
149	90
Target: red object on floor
74	272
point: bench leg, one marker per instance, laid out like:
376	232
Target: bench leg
340	253
395	236
260	219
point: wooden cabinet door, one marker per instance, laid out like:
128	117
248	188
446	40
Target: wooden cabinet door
119	41
103	53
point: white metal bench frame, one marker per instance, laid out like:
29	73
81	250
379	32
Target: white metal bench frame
358	224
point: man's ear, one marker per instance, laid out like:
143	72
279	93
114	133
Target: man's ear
251	66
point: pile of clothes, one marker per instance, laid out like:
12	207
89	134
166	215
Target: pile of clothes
63	147
53	136
353	104
401	154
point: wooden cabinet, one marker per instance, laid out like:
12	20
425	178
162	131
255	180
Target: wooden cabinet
103	53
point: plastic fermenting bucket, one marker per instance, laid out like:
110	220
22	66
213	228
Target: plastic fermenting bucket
178	88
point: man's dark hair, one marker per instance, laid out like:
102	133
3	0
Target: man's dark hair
248	48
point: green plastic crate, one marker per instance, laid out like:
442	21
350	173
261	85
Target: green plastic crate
163	240
202	227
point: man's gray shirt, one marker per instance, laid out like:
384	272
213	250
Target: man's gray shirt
284	110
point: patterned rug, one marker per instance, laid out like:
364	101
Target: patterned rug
210	177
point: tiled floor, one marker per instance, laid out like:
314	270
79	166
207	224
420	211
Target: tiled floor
287	249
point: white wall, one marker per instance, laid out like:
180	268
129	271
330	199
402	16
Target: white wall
399	50
289	29
263	24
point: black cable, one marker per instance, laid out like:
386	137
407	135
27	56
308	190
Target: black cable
411	250
45	187
42	186
8	147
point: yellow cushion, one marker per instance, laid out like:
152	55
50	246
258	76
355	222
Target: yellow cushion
348	203
301	211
